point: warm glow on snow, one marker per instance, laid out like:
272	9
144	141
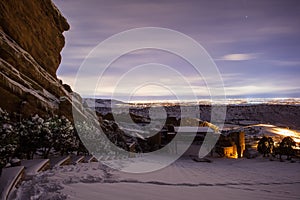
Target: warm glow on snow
266	125
287	132
284	132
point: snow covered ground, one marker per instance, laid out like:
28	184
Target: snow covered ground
185	179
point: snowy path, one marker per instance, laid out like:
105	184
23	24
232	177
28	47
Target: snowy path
185	179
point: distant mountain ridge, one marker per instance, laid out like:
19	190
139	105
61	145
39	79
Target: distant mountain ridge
280	113
92	103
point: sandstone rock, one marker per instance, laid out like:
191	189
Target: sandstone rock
30	43
37	27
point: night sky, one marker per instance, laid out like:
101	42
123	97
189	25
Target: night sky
255	44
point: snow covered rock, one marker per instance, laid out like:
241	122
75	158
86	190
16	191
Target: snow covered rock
30	41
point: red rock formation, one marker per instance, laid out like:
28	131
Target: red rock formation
37	27
30	43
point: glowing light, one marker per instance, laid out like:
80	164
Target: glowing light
287	132
266	125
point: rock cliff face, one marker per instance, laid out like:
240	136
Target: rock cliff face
30	43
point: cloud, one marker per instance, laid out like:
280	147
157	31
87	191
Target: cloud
238	57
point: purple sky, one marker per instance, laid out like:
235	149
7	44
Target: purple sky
255	44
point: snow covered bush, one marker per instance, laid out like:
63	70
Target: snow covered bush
63	138
29	131
8	139
52	133
24	138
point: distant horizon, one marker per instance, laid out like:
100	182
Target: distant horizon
252	99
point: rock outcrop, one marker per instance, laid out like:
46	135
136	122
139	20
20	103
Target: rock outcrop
30	43
37	27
